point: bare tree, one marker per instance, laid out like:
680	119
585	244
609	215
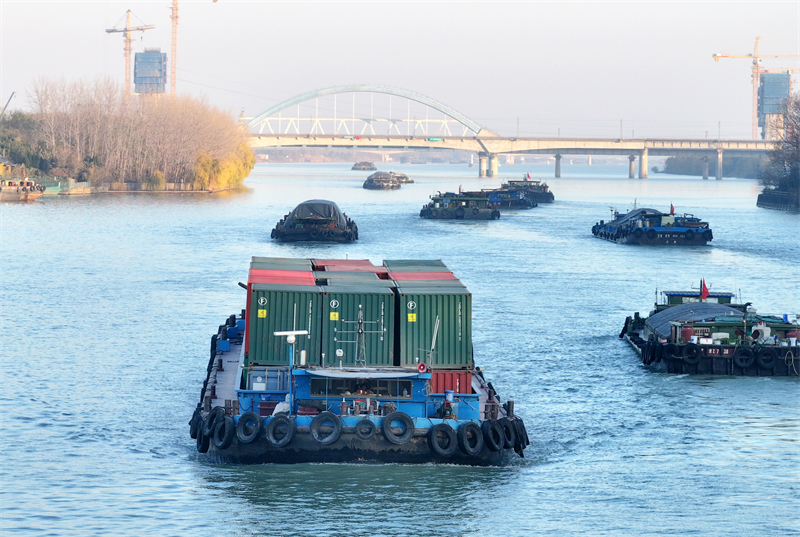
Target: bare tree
783	162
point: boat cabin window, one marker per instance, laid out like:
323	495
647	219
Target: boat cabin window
376	388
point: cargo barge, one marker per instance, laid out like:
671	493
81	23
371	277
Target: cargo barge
342	360
452	206
505	199
381	181
705	333
364	166
652	227
318	221
535	190
20	190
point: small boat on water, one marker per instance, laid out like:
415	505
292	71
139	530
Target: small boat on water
536	191
316	220
364	166
506	199
20	190
401	177
452	206
337	360
381	181
652	227
704	332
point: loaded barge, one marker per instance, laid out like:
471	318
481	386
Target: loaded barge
452	206
652	227
342	360
703	332
315	220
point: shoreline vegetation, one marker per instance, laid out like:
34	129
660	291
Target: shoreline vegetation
89	132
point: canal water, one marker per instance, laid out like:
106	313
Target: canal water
108	302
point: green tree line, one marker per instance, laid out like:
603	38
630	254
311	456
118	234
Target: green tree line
745	167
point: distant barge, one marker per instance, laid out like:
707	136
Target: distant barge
535	191
452	206
364	166
318	221
652	227
710	335
339	360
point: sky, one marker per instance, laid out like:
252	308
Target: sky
572	68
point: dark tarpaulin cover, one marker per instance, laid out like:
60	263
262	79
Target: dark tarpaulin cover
322	209
693	312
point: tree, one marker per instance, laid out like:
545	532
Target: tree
782	172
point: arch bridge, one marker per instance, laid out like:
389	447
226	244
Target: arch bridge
301	122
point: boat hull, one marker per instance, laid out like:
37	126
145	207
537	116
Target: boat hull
9	194
282	234
657	238
468	214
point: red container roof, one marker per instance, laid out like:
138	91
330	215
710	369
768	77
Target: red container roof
356	268
293	274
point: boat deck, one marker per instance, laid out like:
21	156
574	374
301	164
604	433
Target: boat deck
222	379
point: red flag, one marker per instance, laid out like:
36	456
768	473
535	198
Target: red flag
459	189
703	289
529	175
671	209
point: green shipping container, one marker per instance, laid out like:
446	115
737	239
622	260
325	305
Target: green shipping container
340	325
414	263
280	308
368	284
438	318
280	263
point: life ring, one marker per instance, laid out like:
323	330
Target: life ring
223	433
692	353
744	357
203	441
434	213
326	417
365	429
689	235
210	422
249	427
509	434
638	232
493	435
476	211
313	233
766	358
389	431
708	235
651	234
460	212
276	422
470	438
442	439
670	350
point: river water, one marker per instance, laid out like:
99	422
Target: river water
108	303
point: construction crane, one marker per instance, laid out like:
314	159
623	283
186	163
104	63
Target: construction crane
756	70
126	35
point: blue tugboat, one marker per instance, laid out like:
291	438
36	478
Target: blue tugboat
342	360
649	226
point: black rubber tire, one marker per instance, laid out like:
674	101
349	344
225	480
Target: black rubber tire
692	353
317	422
439	432
744	357
445	213
766	358
671	350
434	213
210	423
313	233
272	234
269	432
651	234
625	327
470	438
195	424
460	212
509	433
708	235
203	442
522	435
493	435
638	232
365	429
689	235
390	435
645	352
476	211
247	433
224	432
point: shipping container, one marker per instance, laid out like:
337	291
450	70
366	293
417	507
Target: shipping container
340	326
351	276
342	262
280	308
276	274
459	381
416	268
434	327
338	282
356	268
430	283
414	263
403	276
280	263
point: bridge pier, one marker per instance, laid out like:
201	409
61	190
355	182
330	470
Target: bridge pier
558	165
643	164
493	165
705	167
719	164
632	167
482	168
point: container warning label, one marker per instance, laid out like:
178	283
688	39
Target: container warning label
412	317
262	314
334	316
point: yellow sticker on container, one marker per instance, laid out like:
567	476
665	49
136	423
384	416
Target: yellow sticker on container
262	314
412	317
334	316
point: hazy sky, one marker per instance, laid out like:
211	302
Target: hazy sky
580	67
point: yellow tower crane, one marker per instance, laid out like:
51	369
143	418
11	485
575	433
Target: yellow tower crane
756	70
126	35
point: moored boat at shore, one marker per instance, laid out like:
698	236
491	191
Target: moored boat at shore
316	220
20	190
652	227
704	332
452	206
329	362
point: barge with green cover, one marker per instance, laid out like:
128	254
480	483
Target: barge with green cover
704	332
452	206
535	190
338	360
